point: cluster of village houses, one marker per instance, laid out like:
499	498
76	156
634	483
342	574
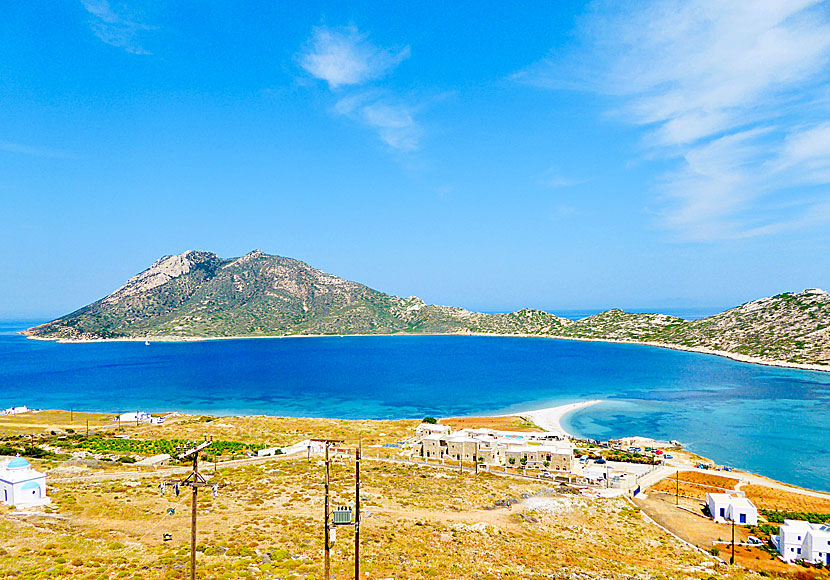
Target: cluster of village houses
549	450
552	452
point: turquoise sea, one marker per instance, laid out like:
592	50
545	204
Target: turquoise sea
768	420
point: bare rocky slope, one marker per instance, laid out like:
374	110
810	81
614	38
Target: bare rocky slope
199	295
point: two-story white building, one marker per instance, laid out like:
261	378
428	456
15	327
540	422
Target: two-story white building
425	429
800	540
21	485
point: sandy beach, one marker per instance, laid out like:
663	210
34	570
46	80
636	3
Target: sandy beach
551	418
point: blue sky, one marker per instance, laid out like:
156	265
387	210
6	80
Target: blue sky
487	155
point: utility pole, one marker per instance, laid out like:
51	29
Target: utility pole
87	427
677	487
195	480
326	541
326	518
357	514
732	557
71	415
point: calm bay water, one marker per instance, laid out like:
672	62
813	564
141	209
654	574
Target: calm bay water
764	419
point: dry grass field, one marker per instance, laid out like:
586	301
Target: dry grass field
45	421
419	521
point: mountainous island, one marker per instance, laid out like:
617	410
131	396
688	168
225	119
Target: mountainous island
198	295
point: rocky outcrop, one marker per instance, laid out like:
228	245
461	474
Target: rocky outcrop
161	272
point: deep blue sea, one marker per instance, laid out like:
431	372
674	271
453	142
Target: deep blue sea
764	419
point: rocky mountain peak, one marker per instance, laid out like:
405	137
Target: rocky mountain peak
160	272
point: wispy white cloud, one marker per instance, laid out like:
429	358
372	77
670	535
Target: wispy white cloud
736	92
344	56
345	59
115	27
554	179
392	120
35	151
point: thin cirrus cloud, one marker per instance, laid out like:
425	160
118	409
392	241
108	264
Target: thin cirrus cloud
23	149
734	93
393	121
347	61
115	28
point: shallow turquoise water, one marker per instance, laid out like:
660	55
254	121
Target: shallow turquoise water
768	420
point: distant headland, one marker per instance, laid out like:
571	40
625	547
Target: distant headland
200	296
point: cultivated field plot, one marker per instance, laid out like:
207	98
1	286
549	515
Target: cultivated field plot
498	423
694	484
780	500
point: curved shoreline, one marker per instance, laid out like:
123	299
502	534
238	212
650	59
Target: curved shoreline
550	418
700	350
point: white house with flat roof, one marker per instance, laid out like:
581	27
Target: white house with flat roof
138	417
425	429
728	508
800	540
21	485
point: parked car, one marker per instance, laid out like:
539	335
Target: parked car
667	456
703	466
546	474
600	461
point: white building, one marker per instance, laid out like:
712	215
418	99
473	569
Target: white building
138	417
425	429
14	410
800	540
20	485
728	508
595	473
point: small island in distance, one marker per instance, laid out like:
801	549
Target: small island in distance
198	295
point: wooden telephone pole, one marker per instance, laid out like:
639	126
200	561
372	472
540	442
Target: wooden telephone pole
327	511
326	539
357	514
195	480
